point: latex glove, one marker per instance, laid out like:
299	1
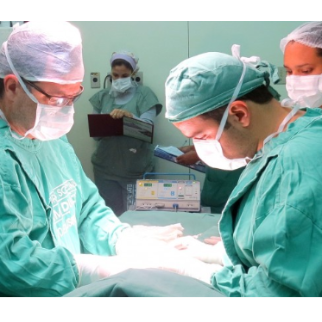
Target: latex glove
93	267
139	242
165	233
188	266
213	240
191	246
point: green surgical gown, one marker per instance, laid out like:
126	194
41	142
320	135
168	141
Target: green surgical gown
123	157
217	187
49	210
272	224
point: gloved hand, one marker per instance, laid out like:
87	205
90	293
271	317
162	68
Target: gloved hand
213	240
191	246
142	240
181	264
165	233
92	268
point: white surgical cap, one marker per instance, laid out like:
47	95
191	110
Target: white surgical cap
44	51
309	34
127	56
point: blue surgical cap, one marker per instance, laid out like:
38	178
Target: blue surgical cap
205	82
128	57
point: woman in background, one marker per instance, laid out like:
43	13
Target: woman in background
302	50
119	160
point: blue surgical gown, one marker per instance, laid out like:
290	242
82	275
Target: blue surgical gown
49	210
272	224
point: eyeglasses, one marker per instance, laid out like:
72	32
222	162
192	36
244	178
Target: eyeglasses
56	100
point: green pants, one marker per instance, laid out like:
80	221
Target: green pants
115	193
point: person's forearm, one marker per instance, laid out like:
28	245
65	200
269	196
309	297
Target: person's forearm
148	116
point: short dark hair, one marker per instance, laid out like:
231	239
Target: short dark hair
120	62
319	52
260	95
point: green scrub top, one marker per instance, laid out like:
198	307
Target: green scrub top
272	225
217	187
121	157
49	210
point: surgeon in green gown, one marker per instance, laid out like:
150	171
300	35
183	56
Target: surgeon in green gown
50	212
271	224
56	233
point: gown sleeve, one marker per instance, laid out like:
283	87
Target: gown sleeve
99	227
279	231
27	268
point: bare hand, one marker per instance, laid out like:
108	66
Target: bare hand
188	158
187	148
118	114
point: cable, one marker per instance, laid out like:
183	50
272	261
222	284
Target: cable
108	76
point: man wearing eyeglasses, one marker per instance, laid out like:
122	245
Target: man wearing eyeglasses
56	232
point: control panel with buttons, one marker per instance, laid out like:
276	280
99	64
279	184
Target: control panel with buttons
176	195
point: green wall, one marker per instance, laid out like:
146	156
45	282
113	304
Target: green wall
160	46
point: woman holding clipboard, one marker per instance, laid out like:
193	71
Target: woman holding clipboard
120	160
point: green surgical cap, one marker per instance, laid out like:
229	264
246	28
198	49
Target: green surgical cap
205	82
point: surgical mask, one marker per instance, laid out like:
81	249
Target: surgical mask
51	122
306	91
121	85
210	151
3	116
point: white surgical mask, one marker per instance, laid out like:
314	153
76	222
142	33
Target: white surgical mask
51	122
121	85
3	116
210	151
306	91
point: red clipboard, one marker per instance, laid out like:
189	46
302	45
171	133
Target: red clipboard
103	125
